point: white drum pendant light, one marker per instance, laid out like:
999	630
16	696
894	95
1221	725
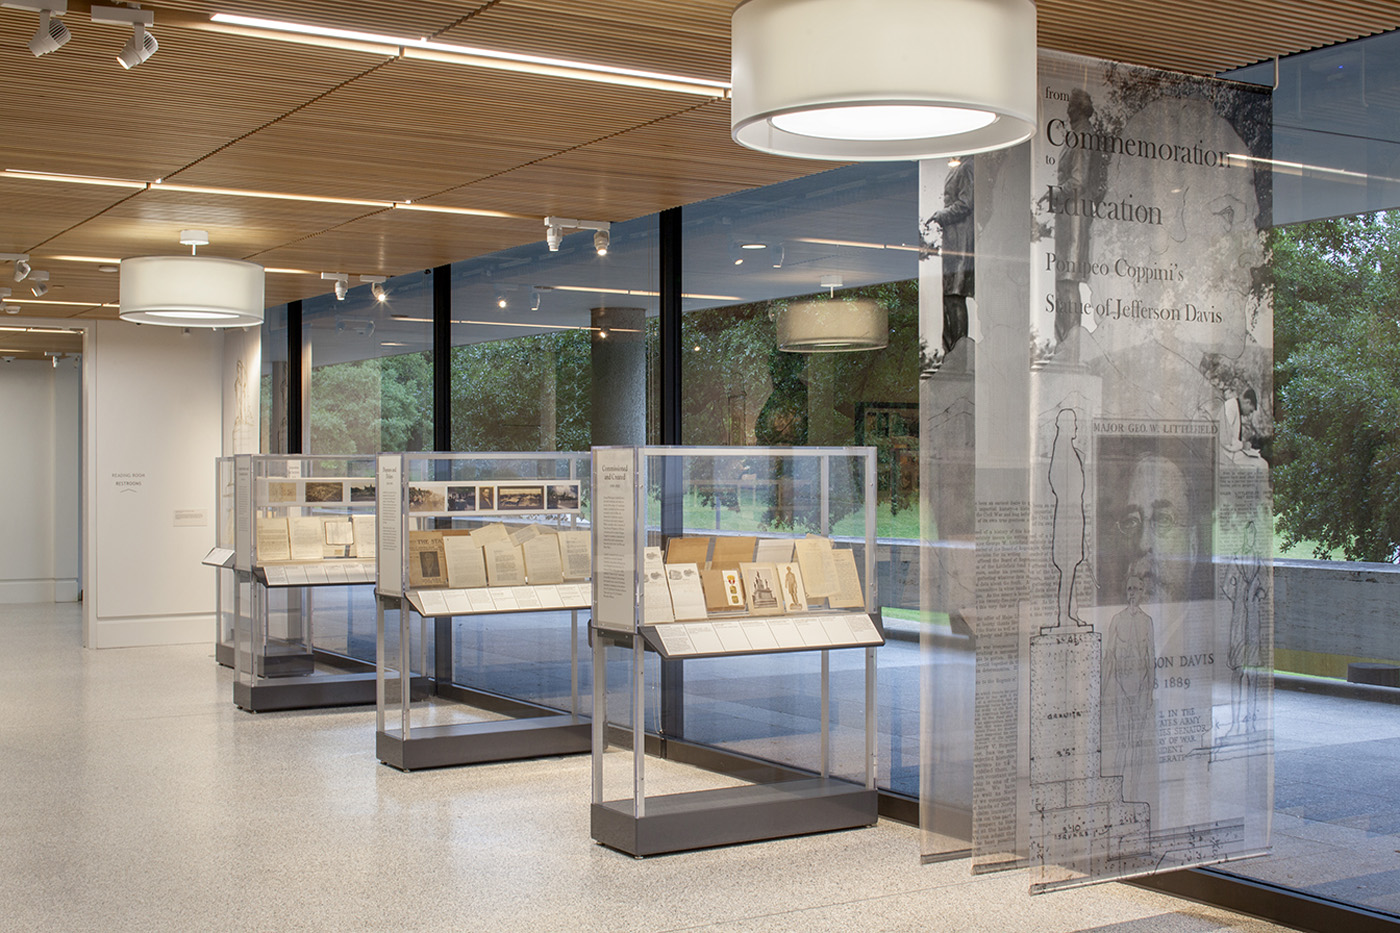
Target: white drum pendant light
873	80
833	326
191	291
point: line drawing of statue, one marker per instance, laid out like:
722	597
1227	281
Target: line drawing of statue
1129	712
957	248
1244	588
1070	542
791	582
1077	174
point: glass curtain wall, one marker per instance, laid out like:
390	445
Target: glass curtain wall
841	243
549	353
370	390
1334	453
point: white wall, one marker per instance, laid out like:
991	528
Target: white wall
39	469
153	425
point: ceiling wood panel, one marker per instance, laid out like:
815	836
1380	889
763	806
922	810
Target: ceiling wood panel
218	109
414	128
690	38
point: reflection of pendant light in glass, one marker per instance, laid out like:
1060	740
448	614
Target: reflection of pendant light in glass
883	79
191	291
833	326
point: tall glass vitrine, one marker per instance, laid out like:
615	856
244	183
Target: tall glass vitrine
483	580
304	544
759	562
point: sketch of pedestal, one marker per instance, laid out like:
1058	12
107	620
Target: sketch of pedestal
1080	821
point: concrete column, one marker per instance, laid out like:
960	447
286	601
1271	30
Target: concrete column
619	361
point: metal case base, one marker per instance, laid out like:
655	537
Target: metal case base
478	742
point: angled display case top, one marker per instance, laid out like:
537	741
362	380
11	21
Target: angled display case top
468	533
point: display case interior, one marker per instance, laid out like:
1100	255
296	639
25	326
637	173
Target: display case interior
484	572
304	539
757	567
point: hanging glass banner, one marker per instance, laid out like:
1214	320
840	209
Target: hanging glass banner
1123	608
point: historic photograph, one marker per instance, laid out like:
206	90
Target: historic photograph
425	499
520	498
461	498
325	492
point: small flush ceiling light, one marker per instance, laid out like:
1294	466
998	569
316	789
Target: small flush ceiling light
832	79
840	326
191	291
40	283
142	45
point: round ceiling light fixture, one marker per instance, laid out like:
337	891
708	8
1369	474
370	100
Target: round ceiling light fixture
833	326
191	291
833	79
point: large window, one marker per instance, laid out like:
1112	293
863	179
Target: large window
371	365
843	240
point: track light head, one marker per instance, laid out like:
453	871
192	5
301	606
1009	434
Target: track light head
376	286
553	236
52	34
40	284
601	241
341	288
141	46
22	270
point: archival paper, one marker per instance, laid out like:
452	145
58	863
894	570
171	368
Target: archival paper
542	561
274	542
818	566
576	550
306	538
363	526
772	551
687	596
505	564
656	595
847	594
339	533
426	559
466	564
491	533
731	552
690	550
791	589
761	582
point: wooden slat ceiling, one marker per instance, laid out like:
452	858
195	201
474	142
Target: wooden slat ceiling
246	112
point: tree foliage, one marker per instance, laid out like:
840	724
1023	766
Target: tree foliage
1337	374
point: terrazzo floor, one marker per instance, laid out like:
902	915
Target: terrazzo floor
137	797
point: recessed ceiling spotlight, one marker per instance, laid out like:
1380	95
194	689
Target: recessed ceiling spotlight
11	309
108	268
753	245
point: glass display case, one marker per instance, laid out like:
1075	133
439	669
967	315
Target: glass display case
304	543
760	560
231	593
484	569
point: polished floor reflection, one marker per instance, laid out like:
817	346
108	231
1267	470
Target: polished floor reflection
137	797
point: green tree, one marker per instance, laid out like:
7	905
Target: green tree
1337	375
